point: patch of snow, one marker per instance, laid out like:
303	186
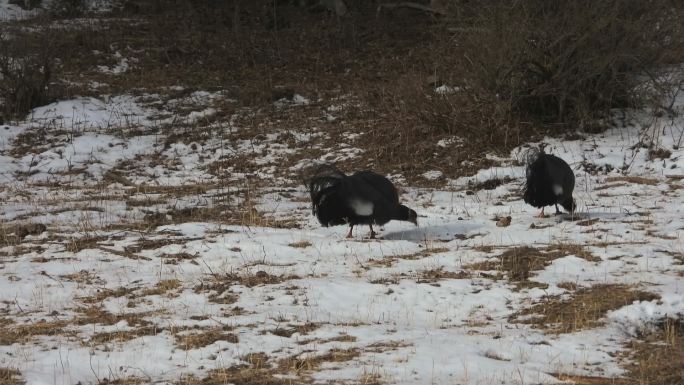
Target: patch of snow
432	175
642	317
446	90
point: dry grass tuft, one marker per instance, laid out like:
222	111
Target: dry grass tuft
25	332
292	329
123	335
309	363
586	380
634	180
578	251
10	377
389	260
489	184
257	279
584	309
228	215
75	244
659	360
98	315
123	381
519	263
318	341
162	287
220	284
301	244
201	339
256	371
107	293
435	275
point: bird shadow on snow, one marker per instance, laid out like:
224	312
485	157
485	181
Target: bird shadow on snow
444	232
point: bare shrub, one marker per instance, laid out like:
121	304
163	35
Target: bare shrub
24	78
67	8
563	62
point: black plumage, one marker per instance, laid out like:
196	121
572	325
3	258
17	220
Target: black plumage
550	181
362	198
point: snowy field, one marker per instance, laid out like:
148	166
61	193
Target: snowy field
150	268
149	239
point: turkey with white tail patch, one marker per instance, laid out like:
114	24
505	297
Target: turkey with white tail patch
364	198
550	181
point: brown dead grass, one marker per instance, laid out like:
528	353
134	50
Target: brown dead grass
489	184
123	381
228	215
587	380
318	341
195	340
220	285
584	309
307	363
389	260
25	332
256	371
658	359
435	275
300	244
634	180
123	335
10	377
162	287
103	294
77	244
519	263
98	315
289	330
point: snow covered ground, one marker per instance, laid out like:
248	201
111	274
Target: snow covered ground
168	256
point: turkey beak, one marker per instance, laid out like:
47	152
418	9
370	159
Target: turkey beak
415	221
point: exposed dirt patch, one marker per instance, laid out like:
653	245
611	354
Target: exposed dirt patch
583	309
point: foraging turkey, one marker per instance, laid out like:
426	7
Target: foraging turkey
362	198
550	181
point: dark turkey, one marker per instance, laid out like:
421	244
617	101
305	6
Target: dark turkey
362	198
550	181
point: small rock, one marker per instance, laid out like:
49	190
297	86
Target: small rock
261	274
504	222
